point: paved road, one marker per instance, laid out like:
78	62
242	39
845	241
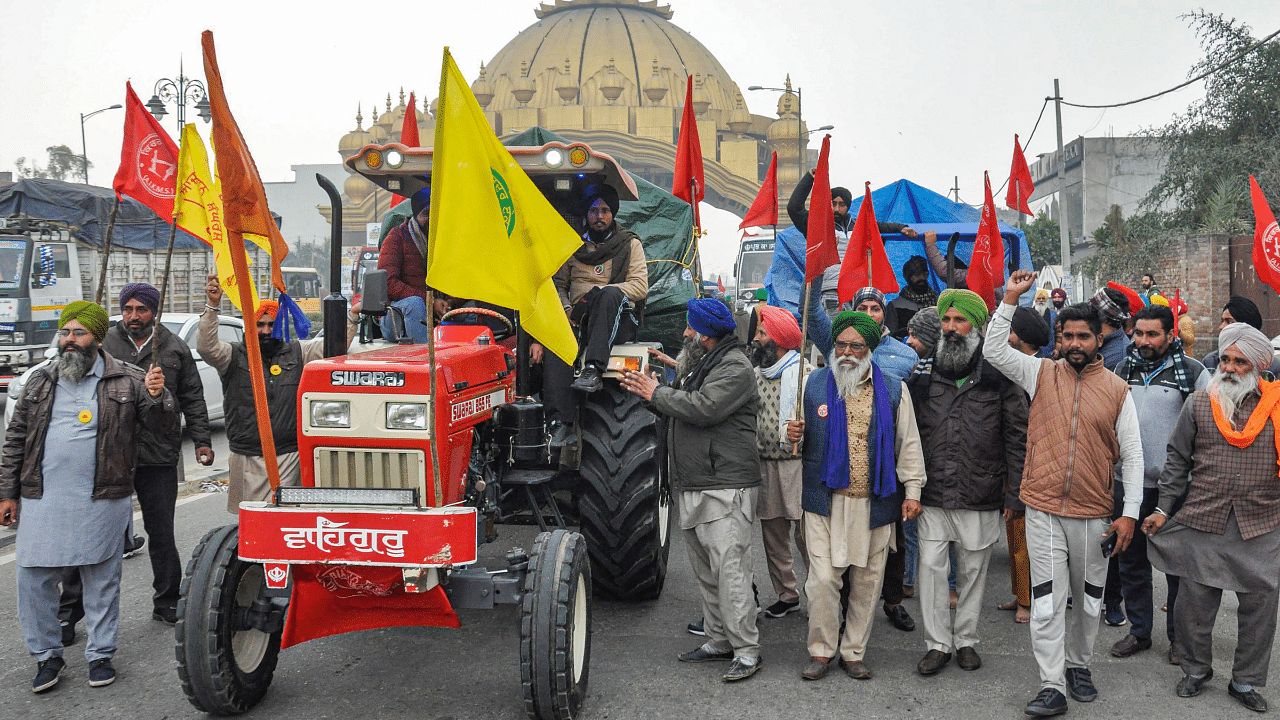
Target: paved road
473	672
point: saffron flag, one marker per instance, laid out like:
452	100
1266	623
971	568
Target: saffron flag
243	198
408	136
148	160
245	218
688	157
865	244
764	210
820	250
494	236
198	210
986	266
1020	184
1266	238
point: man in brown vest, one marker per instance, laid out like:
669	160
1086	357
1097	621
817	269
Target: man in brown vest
1223	457
1082	421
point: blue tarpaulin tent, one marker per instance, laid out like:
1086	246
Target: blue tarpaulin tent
900	202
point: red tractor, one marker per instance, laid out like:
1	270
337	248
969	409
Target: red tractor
375	538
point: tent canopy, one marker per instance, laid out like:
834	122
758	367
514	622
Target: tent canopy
901	202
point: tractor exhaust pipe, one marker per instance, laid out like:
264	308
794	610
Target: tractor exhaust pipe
334	305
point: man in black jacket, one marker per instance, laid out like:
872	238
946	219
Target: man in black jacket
841	202
717	472
973	425
138	340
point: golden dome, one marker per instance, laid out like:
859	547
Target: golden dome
625	33
357	188
354	140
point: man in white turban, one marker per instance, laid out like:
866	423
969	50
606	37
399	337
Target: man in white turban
1223	456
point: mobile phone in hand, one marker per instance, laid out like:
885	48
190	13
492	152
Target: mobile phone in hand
1109	544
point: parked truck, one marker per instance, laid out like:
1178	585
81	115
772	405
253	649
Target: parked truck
43	267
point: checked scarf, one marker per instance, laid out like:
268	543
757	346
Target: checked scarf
880	438
1135	370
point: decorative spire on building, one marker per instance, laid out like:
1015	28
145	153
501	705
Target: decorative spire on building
566	86
524	88
700	100
655	88
611	84
482	89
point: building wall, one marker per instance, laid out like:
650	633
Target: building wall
1200	266
296	202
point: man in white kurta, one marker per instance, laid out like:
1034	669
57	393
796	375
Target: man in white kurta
849	513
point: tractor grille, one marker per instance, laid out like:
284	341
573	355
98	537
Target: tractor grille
358	468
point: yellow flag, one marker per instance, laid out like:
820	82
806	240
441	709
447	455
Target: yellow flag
493	236
198	207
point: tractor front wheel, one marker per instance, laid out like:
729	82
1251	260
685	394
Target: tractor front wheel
555	626
225	666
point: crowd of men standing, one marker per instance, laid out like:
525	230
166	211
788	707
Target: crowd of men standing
1086	432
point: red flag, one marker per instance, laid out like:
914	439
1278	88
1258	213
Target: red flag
820	250
688	157
720	283
1020	184
865	239
764	210
986	265
408	136
1266	238
148	169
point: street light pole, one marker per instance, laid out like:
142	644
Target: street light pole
180	92
84	147
802	162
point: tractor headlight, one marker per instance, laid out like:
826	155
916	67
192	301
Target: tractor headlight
406	416
331	413
394	158
553	158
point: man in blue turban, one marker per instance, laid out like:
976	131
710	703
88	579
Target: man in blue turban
713	446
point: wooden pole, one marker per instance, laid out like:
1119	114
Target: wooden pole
431	400
870	274
164	281
106	252
804	334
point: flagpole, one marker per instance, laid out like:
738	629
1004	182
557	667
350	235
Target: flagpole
804	334
870	273
697	230
106	252
431	398
164	281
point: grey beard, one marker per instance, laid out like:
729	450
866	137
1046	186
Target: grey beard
1231	389
691	353
849	375
954	353
73	364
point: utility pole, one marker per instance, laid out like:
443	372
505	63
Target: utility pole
1064	236
955	191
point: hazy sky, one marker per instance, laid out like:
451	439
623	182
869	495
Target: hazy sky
926	90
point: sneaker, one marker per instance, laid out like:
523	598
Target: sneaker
565	436
1114	616
168	616
781	608
741	669
589	381
101	673
697	628
1080	685
68	633
1048	703
47	674
131	547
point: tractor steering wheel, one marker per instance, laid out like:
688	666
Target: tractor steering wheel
511	329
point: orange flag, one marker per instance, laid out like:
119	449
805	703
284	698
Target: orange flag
865	241
246	218
986	265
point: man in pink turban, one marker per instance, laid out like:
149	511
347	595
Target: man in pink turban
775	351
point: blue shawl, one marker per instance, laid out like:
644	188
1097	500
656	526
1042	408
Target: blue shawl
880	439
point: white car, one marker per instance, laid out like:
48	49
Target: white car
230	329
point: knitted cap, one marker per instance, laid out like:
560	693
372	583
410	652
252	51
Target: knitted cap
926	326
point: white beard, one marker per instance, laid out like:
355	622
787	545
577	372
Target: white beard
1230	390
1040	307
849	372
691	352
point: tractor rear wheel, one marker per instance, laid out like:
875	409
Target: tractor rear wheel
225	667
625	499
555	626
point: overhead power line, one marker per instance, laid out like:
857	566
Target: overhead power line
1197	78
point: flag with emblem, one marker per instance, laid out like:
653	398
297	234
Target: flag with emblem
148	159
494	236
1266	238
986	265
198	209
